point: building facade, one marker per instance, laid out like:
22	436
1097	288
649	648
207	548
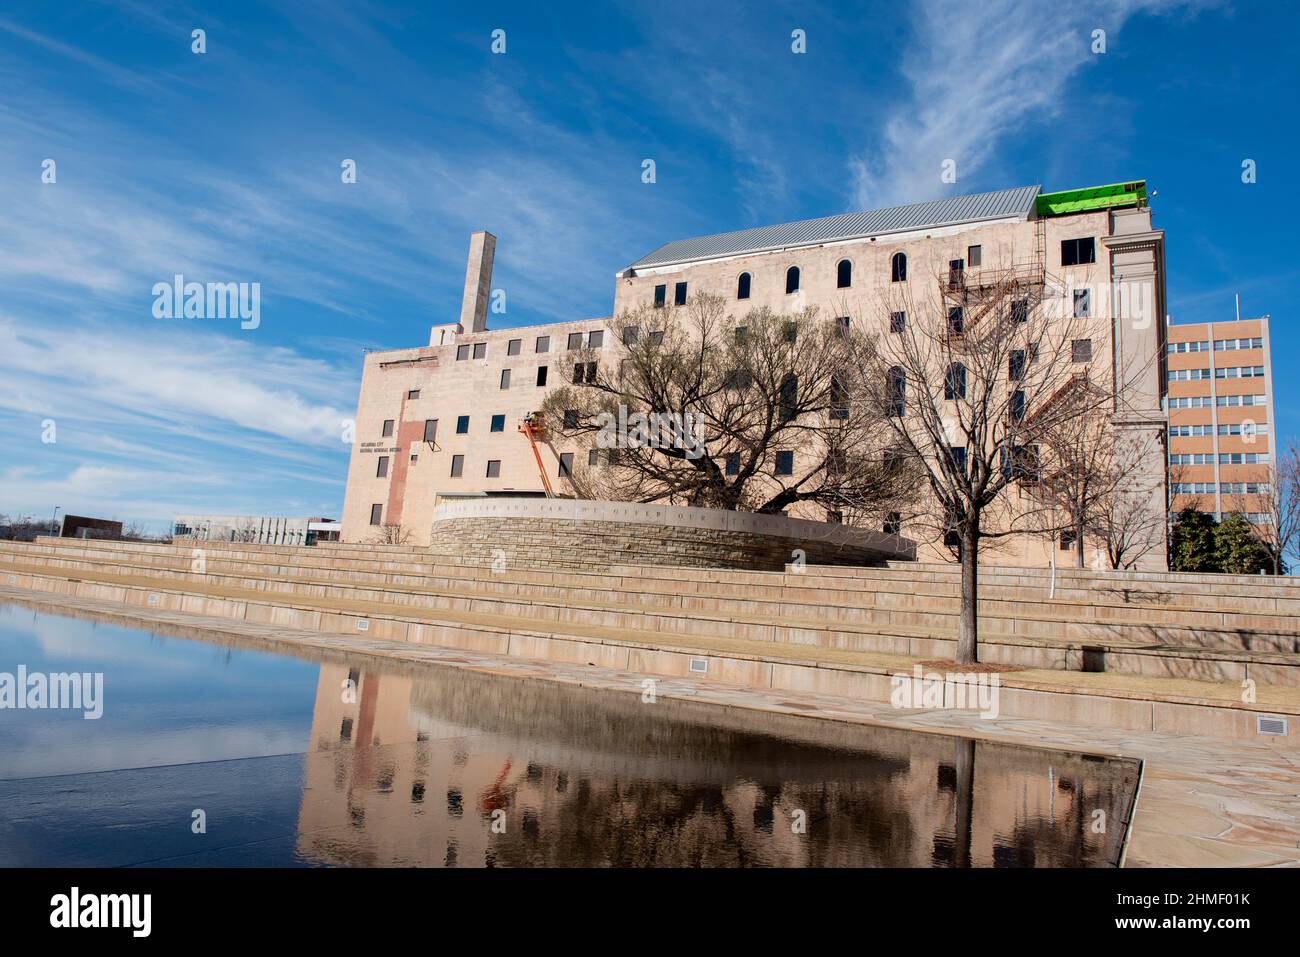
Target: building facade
260	529
1220	404
441	422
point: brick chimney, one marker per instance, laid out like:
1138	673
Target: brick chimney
478	282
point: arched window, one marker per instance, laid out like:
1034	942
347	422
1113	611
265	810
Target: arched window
844	274
898	268
742	286
792	279
954	383
897	386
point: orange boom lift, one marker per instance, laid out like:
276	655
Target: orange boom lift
531	426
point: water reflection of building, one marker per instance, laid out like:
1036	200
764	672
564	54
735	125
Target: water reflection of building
409	772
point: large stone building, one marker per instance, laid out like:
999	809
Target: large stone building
439	423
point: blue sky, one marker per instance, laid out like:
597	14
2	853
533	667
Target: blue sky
225	166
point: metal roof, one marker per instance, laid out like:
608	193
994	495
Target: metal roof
975	208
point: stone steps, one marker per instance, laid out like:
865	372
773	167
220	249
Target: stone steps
1039	643
1210	613
1134	702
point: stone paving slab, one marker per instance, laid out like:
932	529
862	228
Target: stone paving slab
1203	802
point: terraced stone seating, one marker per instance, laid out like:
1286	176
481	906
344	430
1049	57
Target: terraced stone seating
1117	645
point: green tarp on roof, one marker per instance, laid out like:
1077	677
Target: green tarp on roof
1114	196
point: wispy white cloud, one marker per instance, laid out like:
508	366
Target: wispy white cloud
976	75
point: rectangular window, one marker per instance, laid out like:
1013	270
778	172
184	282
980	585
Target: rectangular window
593	457
494	468
897	321
791	331
1082	304
388	427
957	455
1078	252
679	294
457	465
661	295
543	344
381	471
1067	541
784	463
505	378
595	338
631	335
480	350
733	463
512	347
462	353
575	341
1081	350
956	320
462	425
842	325
570	418
1020	311
566	464
541	375
956	273
974	255
376	514
1016	365
430	430
1017	410
893	524
741	333
413	393
656	337
498	423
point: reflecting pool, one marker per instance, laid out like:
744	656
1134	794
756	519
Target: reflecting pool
212	752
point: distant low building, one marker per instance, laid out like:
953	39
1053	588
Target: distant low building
79	526
261	529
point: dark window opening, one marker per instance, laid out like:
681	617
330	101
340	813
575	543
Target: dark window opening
954	382
498	423
742	286
480	350
733	463
679	294
430	430
661	295
376	514
457	465
1078	252
898	268
388	428
566	464
897	322
792	280
844	274
494	468
541	375
381	471
784	463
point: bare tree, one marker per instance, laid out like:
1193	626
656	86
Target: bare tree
1127	526
1277	507
979	382
390	534
692	406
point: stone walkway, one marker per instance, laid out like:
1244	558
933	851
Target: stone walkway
1203	802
